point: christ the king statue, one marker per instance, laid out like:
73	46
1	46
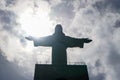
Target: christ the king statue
59	43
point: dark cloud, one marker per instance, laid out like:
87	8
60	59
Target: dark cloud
9	70
112	5
115	4
8	20
114	60
10	24
117	24
114	56
63	10
100	5
10	3
98	63
100	76
23	41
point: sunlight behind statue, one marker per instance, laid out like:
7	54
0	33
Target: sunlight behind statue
59	43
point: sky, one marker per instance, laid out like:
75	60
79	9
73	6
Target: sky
98	20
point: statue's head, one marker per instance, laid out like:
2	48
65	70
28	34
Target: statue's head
58	28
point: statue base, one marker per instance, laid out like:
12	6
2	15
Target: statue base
60	72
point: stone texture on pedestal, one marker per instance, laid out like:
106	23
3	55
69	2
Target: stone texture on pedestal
60	72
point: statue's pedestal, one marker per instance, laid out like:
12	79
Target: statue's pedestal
68	72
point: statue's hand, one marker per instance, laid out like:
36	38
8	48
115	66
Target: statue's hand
87	40
30	38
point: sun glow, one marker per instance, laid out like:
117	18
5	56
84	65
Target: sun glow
36	24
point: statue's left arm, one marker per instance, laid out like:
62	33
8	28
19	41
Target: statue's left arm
76	42
84	40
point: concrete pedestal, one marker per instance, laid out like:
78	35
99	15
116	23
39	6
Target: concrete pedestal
60	72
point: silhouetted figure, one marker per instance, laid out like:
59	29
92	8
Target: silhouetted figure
59	43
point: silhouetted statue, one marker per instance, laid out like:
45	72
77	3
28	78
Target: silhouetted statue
59	43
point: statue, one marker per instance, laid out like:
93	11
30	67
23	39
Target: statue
59	43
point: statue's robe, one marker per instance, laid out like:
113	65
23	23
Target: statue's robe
59	44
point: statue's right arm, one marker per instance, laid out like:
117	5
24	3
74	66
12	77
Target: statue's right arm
30	38
42	41
86	40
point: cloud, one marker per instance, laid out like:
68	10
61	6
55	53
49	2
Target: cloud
114	5
98	24
12	44
106	5
8	21
9	70
117	24
54	2
113	60
98	77
62	12
96	19
10	2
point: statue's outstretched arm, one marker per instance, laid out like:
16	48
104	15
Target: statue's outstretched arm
41	41
30	38
86	40
76	42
